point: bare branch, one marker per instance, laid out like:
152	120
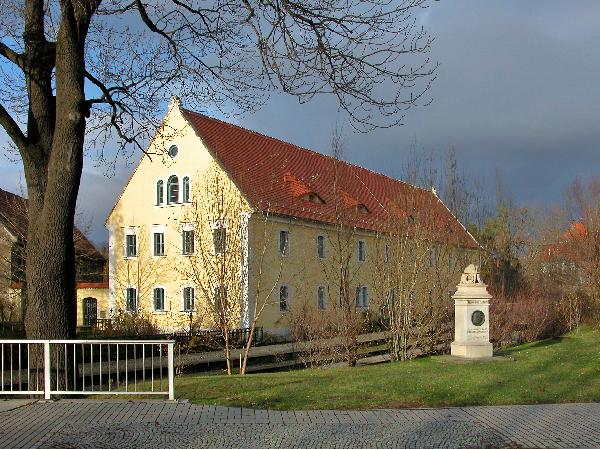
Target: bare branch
12	129
151	25
115	107
12	55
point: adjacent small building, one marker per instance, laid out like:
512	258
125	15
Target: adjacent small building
92	285
217	219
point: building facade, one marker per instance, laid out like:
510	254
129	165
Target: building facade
222	223
92	285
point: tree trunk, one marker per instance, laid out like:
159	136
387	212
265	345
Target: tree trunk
53	174
53	161
247	347
227	349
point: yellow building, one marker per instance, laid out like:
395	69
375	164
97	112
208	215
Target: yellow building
92	288
216	214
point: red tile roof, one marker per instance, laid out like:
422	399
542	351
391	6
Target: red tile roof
571	245
275	176
13	215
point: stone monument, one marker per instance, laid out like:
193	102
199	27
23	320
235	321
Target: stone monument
471	317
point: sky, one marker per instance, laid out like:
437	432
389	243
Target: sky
517	92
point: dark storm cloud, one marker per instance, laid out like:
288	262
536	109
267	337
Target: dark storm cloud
518	90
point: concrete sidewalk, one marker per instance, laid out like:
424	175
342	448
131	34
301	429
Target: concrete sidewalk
156	424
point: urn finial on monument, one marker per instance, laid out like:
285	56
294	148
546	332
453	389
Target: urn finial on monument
471	317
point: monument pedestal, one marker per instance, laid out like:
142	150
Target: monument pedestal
471	317
471	350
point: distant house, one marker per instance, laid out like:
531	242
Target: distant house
92	286
565	257
288	204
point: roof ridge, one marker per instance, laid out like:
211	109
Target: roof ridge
249	157
2	191
326	156
19	212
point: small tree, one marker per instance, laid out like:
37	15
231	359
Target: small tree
417	262
583	207
344	317
214	263
261	290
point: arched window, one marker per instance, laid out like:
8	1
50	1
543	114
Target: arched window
173	190
160	192
90	311
186	189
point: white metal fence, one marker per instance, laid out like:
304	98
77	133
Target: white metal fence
86	367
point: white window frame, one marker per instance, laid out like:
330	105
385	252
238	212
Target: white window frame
325	299
158	229
215	225
287	300
168	199
215	290
186	227
287	250
156	181
189	199
130	230
433	256
363	253
137	299
182	308
165	308
323	255
362	297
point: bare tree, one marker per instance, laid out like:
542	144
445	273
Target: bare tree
418	261
583	207
262	290
214	264
106	66
420	253
345	313
218	266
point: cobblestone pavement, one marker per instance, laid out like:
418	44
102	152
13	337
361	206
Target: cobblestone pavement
156	424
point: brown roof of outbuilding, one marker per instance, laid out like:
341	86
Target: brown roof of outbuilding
13	215
278	177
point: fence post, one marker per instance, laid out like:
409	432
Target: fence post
171	372
47	370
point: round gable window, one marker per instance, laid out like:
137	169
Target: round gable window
172	151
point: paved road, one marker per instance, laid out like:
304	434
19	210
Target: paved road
155	424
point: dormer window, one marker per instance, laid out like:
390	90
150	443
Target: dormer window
362	209
313	198
173	190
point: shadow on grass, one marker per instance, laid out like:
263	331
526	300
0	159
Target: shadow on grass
538	344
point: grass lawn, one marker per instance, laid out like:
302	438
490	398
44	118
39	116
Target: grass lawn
548	371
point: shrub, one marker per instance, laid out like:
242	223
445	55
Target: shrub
132	325
526	316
